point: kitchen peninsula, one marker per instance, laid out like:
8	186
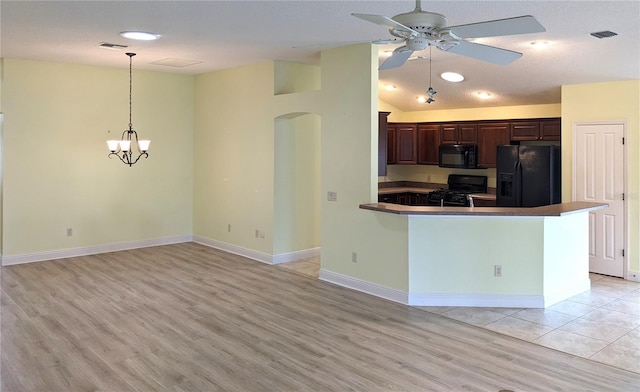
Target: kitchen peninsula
494	256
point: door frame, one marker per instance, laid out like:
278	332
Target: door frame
625	168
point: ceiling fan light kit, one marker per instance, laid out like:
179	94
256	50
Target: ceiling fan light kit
421	29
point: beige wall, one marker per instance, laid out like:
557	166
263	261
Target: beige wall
56	171
606	102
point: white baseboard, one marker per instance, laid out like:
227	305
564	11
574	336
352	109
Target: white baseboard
477	300
256	255
364	286
236	250
297	255
633	276
92	250
452	299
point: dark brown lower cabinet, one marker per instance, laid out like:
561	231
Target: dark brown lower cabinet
484	203
404	198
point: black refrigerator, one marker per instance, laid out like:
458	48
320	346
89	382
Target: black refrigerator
528	176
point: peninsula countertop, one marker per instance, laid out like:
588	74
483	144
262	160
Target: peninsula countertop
550	210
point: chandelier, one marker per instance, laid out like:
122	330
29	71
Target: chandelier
124	148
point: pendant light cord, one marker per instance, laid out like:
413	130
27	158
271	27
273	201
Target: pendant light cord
130	86
429	65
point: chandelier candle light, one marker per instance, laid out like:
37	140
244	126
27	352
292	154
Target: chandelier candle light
123	148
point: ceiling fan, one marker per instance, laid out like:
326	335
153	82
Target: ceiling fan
421	29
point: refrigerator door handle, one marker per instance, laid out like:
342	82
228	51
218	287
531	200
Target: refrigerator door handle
517	186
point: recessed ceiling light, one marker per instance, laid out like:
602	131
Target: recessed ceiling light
389	87
422	99
483	94
452	77
140	35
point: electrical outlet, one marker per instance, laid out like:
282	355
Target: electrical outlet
257	233
497	270
332	196
229	227
69	232
261	234
354	257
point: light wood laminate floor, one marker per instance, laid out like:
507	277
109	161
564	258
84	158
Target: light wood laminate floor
602	324
186	317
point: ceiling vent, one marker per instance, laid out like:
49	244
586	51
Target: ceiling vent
604	34
179	63
107	45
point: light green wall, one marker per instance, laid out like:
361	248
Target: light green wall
297	184
349	167
56	171
606	102
439	263
233	156
256	150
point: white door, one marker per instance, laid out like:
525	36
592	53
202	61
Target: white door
599	177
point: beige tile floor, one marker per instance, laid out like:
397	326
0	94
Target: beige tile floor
602	324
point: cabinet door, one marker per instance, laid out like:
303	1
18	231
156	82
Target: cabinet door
468	133
525	130
490	136
449	134
391	144
388	198
406	144
404	199
382	143
550	129
428	143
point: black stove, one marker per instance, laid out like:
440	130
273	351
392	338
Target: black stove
460	186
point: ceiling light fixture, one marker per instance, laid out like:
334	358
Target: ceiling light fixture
389	87
483	94
123	148
452	77
140	35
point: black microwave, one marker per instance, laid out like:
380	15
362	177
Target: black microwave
462	156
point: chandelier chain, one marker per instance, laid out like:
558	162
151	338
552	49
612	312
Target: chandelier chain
130	85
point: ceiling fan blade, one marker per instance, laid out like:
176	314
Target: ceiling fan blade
388	41
387	22
397	59
490	54
519	25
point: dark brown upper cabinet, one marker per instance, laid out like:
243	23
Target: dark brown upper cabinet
428	142
459	133
542	129
406	144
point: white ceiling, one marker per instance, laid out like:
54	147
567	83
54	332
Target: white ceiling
224	34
